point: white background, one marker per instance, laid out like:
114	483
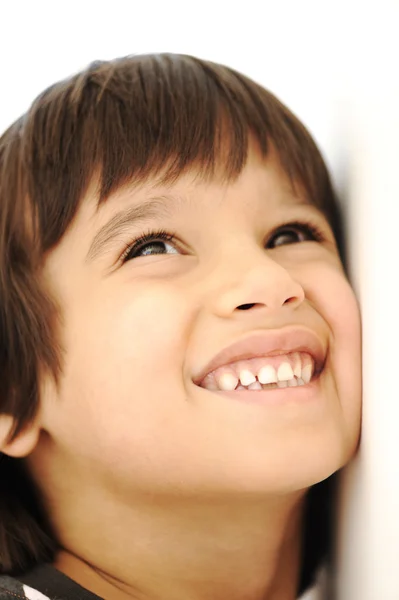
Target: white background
336	65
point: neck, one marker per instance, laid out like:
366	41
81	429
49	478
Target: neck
213	550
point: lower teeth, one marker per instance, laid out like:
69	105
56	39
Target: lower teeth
270	386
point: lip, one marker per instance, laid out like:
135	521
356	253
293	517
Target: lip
268	343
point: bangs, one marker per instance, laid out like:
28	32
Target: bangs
155	116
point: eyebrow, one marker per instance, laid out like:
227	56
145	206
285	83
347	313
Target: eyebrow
124	219
150	210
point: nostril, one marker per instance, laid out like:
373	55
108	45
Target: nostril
246	306
291	300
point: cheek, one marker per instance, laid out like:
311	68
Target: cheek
347	348
122	351
332	296
148	330
138	326
341	312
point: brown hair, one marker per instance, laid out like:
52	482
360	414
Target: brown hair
125	120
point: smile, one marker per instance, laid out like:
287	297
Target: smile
262	373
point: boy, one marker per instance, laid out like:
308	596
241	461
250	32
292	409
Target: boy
180	345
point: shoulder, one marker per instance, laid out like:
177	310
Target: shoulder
11	588
319	590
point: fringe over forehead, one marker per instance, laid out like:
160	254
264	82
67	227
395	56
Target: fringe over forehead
153	115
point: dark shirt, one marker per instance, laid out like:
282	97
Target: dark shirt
47	583
43	583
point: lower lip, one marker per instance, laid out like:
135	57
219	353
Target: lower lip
302	394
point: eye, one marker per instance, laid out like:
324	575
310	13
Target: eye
296	232
153	242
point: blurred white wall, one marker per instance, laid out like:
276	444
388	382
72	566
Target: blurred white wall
369	540
335	65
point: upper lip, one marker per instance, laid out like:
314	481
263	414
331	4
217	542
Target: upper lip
268	343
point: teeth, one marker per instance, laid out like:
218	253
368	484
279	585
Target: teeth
285	372
267	374
297	364
212	385
246	377
282	384
255	386
295	372
227	382
307	373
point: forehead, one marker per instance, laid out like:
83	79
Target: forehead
264	176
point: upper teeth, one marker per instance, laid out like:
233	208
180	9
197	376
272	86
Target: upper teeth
284	370
267	374
247	377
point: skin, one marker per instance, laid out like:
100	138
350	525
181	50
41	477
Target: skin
157	488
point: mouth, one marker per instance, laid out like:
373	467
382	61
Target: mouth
292	369
267	361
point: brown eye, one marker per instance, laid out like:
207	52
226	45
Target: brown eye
295	233
153	242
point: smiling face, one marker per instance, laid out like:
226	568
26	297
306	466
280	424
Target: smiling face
129	417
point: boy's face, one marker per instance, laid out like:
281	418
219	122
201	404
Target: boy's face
129	417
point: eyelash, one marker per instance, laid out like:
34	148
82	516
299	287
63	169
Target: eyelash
310	229
150	236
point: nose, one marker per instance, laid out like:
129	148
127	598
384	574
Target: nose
259	283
